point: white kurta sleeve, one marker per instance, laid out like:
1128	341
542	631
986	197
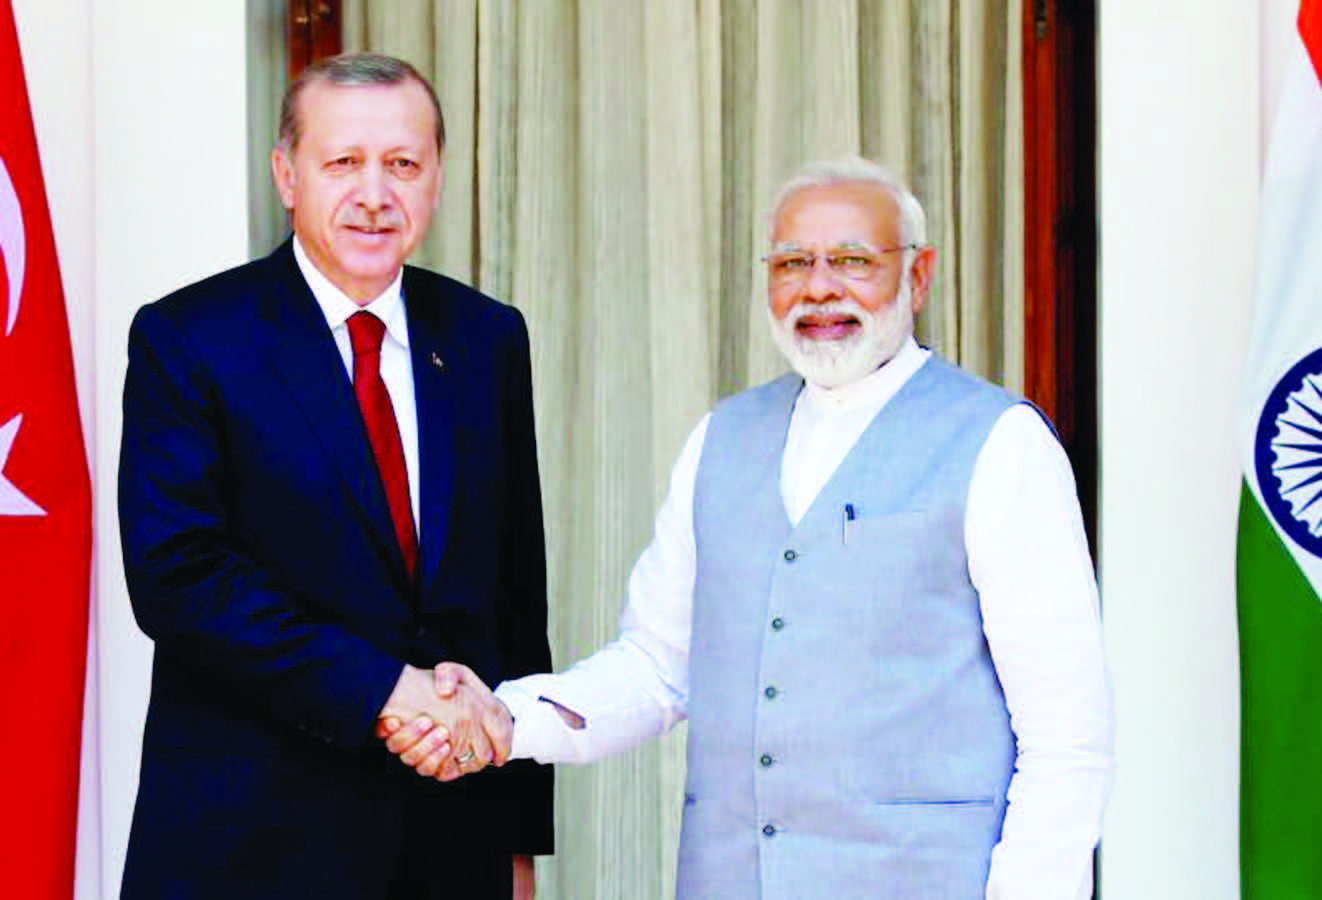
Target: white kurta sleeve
1029	560
636	687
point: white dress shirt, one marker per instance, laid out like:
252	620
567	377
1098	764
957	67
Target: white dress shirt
1028	559
396	363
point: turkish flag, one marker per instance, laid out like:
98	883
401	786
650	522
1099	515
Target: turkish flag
45	521
1310	29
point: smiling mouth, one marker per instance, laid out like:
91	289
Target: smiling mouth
827	327
370	230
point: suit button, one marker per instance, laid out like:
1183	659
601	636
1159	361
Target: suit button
771	693
777	623
790	556
769	830
420	631
766	760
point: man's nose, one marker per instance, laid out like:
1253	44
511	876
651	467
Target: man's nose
823	282
373	188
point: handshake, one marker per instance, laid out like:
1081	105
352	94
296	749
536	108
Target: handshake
445	723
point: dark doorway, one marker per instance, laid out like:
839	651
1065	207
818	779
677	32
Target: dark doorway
1060	229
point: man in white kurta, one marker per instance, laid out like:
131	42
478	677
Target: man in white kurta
847	272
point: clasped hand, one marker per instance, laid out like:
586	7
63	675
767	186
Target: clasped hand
445	723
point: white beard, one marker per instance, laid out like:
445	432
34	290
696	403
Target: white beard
830	364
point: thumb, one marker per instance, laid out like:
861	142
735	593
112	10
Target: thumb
446	679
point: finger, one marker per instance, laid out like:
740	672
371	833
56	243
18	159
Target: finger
430	743
409	735
449	770
387	725
482	750
432	764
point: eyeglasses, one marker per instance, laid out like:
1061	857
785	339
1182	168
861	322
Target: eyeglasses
856	262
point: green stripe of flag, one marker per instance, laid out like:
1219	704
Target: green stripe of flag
1280	647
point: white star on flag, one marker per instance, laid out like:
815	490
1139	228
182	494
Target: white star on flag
12	500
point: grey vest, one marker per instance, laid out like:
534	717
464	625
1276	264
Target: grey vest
848	736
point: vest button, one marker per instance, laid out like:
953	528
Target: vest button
790	556
777	623
771	693
769	830
766	760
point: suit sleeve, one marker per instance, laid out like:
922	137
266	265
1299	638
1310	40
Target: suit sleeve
245	637
525	650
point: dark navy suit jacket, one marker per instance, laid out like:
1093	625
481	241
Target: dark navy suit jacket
261	560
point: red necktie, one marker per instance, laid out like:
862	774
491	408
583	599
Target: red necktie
365	333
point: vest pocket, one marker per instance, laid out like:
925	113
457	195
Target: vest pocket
909	550
975	801
963	824
866	531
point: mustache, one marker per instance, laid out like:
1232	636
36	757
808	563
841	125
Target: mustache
801	311
383	221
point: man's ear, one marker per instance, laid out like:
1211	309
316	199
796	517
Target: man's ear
440	182
920	278
282	172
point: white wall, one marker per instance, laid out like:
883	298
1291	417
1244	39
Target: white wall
1182	88
140	116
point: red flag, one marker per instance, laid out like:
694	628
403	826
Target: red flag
1310	29
45	520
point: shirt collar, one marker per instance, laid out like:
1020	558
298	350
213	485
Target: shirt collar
337	307
879	385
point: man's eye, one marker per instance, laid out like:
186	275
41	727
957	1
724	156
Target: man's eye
340	163
405	165
793	263
851	261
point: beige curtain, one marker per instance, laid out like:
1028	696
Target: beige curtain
267	62
609	170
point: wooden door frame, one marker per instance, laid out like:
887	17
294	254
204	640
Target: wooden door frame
1060	229
1060	236
314	28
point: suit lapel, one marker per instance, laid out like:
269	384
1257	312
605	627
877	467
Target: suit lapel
303	353
437	360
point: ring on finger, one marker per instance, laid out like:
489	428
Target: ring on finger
465	758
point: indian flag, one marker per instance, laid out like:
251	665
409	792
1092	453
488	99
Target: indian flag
1280	518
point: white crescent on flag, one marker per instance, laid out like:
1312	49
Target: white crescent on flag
13	243
12	500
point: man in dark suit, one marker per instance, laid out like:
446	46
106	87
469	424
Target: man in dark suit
328	485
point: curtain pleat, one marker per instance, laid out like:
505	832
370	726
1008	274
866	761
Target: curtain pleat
609	171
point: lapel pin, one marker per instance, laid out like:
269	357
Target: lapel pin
436	360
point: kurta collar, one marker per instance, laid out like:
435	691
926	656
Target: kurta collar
873	390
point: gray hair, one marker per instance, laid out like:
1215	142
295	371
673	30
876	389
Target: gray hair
350	70
856	170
